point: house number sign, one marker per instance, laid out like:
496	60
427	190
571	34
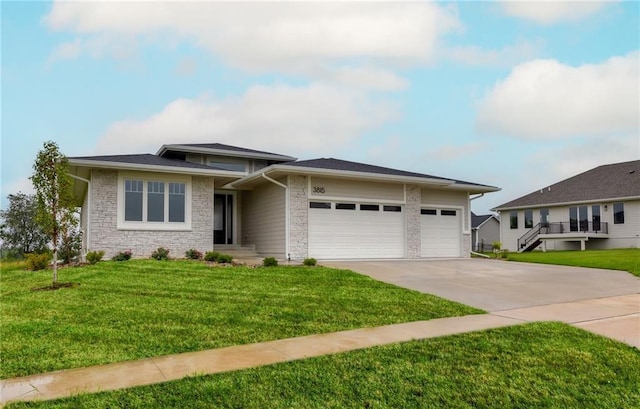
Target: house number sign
318	189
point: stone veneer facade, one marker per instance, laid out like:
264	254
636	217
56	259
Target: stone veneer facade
106	236
298	217
412	213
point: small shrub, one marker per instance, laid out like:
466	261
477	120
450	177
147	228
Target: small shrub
37	262
160	254
193	254
122	256
496	246
94	256
211	256
70	247
225	258
310	261
270	262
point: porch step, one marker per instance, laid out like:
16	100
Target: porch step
243	253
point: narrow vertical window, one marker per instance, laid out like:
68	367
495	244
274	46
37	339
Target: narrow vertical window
595	217
513	219
544	217
618	213
133	200
528	219
573	219
155	201
177	193
584	218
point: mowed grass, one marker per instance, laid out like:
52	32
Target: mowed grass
539	365
619	259
144	308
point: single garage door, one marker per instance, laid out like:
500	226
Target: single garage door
343	230
440	232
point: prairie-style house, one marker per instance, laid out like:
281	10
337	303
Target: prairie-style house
211	196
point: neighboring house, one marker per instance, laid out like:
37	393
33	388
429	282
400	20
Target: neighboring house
485	230
597	209
208	196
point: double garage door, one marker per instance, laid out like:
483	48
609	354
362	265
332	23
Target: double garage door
342	230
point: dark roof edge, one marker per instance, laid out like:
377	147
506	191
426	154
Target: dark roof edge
97	163
444	183
574	202
186	148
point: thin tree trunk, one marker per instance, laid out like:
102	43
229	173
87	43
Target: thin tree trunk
55	266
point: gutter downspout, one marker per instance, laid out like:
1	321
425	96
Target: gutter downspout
88	182
471	227
286	213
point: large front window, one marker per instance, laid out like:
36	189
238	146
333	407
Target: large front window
153	204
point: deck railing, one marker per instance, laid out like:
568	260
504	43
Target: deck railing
574	227
571	227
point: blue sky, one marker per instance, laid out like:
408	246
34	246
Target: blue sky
512	94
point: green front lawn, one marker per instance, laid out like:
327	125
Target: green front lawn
540	365
144	308
620	259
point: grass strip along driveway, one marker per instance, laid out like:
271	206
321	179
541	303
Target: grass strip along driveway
539	365
620	259
144	308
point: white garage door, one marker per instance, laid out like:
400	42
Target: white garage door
441	232
340	230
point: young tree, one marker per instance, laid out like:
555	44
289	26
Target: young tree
19	229
54	194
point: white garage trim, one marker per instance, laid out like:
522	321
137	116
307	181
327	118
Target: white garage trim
441	232
346	229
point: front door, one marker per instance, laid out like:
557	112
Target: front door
222	218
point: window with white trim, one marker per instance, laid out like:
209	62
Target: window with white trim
154	203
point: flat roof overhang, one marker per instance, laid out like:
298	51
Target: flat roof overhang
275	171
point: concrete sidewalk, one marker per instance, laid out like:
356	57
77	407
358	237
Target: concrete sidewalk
617	317
170	367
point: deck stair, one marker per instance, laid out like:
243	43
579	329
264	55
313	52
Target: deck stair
530	240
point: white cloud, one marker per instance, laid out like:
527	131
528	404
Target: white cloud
291	37
504	57
66	51
317	118
582	156
552	11
186	67
22	184
545	99
367	77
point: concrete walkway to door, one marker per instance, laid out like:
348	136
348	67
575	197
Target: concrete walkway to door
605	302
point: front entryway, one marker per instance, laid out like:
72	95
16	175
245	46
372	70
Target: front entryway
223	218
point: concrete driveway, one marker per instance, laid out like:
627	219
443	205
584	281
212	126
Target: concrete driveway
603	301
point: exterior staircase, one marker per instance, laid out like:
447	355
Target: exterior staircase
530	240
